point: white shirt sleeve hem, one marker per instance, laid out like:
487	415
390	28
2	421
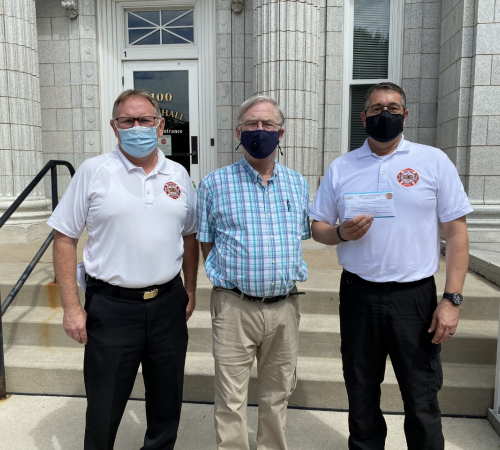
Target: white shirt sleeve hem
189	232
320	218
462	212
63	230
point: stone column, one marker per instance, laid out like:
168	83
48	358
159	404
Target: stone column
286	61
20	132
468	114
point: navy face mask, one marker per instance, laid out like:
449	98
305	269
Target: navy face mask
260	143
385	126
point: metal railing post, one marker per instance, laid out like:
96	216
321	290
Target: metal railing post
53	181
3	388
52	164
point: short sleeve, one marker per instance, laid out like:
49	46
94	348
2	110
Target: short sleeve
324	206
190	224
204	212
451	197
70	215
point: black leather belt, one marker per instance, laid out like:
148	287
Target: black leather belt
146	293
265	299
386	284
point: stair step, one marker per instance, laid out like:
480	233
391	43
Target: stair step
322	291
474	343
467	390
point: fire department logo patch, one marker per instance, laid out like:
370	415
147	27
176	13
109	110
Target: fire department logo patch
408	177
172	190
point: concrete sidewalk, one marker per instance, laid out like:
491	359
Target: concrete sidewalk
57	423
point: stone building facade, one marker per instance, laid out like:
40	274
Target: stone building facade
63	63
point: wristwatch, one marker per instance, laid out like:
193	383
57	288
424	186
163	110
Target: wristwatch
456	299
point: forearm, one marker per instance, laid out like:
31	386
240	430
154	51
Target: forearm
325	233
64	255
190	262
457	261
206	247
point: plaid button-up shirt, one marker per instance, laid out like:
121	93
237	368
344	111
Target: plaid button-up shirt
256	230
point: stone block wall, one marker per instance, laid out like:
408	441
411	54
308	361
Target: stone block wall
484	112
421	49
455	81
69	84
468	116
234	74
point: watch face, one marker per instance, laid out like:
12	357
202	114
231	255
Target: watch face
456	299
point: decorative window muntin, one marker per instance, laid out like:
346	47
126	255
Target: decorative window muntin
164	27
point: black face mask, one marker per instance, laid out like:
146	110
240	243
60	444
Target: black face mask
385	126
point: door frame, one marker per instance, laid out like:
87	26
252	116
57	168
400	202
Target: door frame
170	65
112	47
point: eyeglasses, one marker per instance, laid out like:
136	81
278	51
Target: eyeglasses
253	125
393	108
128	122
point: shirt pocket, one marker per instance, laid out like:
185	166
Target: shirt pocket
290	217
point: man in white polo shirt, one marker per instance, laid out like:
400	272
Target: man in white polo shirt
389	197
139	209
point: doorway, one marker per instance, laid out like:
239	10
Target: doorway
174	85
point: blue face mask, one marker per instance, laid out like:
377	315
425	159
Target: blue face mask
138	142
260	143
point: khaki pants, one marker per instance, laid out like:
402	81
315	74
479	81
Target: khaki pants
243	330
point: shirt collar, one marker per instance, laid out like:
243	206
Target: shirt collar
256	175
162	165
365	150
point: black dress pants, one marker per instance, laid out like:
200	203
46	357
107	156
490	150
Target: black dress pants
390	319
122	333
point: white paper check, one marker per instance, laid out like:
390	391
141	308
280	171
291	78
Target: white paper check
378	204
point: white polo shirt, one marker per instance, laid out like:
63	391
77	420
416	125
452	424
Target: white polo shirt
427	189
135	221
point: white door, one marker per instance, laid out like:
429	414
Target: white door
174	85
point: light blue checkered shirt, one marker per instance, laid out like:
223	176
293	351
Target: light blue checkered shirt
256	230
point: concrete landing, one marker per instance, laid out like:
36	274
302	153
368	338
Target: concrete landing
57	423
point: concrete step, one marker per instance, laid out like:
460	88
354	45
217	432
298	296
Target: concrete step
322	291
474	343
467	390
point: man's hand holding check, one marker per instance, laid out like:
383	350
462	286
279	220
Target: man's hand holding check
356	228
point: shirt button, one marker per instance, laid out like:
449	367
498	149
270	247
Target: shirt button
383	173
274	261
272	284
267	193
272	237
147	192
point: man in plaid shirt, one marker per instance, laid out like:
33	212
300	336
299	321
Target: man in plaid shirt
252	217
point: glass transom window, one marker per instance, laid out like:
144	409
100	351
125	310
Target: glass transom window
164	27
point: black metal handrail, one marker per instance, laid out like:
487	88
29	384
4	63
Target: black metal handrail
52	166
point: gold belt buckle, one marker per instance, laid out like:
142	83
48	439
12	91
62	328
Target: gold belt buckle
150	294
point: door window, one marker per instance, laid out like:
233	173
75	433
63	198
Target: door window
165	27
171	90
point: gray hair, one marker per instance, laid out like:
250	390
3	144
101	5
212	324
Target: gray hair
385	86
135	93
247	104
